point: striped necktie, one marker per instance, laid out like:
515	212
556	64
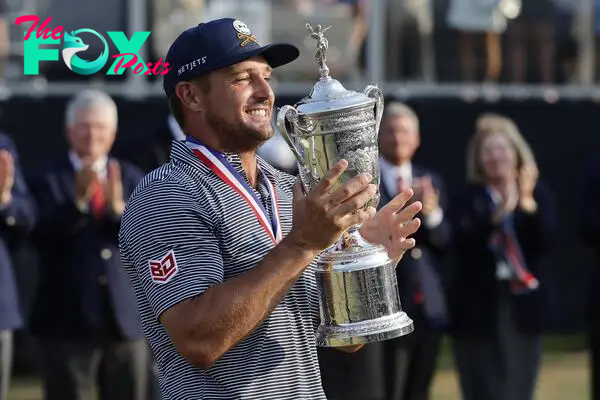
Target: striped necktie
401	184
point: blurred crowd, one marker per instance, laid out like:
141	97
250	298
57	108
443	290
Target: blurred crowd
510	41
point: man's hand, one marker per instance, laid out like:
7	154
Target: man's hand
427	194
321	217
114	188
7	176
83	181
392	225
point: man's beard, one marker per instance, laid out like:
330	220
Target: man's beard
237	137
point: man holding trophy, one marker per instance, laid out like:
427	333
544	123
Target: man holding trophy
236	265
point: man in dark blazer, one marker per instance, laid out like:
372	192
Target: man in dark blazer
589	223
85	313
410	361
17	216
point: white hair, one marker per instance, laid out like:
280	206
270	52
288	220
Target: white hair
398	109
90	98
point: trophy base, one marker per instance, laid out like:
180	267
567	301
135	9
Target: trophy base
385	328
358	294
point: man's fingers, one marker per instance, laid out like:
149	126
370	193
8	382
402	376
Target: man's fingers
355	186
87	173
426	182
358	217
398	202
331	177
4	171
10	165
407	229
408	213
5	159
113	171
87	162
114	165
405	244
400	247
346	206
7	156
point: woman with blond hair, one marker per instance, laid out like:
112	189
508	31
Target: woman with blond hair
504	224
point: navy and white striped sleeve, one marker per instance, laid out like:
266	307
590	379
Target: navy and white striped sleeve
169	245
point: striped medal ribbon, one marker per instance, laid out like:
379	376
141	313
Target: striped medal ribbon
219	165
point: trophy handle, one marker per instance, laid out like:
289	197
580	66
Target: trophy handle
377	94
289	113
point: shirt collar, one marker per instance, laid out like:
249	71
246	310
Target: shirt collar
390	174
99	166
175	129
180	152
404	170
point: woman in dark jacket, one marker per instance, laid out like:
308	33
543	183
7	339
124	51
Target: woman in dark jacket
504	226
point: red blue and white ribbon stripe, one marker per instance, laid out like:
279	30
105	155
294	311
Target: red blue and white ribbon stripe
219	165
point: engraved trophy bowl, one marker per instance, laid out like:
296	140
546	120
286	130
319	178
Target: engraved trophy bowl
358	289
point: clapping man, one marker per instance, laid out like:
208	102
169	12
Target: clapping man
85	313
411	361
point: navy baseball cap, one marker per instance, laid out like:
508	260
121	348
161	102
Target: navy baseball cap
220	43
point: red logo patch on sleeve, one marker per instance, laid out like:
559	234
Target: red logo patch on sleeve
162	271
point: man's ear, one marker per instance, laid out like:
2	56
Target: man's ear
189	96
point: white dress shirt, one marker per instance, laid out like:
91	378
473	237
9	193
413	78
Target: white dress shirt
99	166
390	174
389	178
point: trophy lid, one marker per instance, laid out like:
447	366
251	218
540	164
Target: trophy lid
328	94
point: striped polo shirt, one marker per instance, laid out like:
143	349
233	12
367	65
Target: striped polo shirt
185	230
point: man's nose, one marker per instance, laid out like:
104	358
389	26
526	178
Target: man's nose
263	89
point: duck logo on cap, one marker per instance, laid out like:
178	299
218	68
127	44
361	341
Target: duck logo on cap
244	33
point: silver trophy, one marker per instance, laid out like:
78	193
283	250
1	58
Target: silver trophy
359	300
